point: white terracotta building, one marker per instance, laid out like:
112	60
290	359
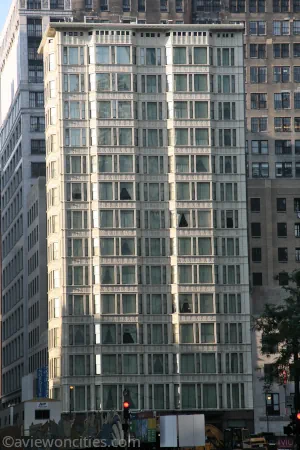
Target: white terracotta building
146	208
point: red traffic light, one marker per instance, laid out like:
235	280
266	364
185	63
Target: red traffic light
298	415
126	405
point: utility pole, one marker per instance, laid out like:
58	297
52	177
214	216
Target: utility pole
268	397
70	399
126	415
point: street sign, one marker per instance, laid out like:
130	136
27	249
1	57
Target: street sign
42	383
285	443
289	401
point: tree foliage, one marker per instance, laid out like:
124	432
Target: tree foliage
280	328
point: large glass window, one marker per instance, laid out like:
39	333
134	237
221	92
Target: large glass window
102	54
200	55
179	55
123	55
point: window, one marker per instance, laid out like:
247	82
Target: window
259	147
281	6
141	5
281	50
296	27
102	54
259	124
260	170
73	83
297	230
283	170
126	5
57	4
255	229
179	55
163	5
258	51
255	204
207	333
258	101
33	4
296	100
200	55
36	99
256	6
42	414
73	55
258	75
123	53
296	204
297	254
283	147
225	56
38	170
282	124
37	124
297	74
282	100
281	204
297	124
281	229
272	403
38	146
257	279
179	6
256	254
103	5
282	254
281	27
281	74
151	56
296	6
297	147
257	28
236	6
35	73
296	50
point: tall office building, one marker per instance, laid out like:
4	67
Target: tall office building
272	60
146	210
23	211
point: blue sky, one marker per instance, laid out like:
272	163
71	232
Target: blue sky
4	7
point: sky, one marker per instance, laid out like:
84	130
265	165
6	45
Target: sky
4	7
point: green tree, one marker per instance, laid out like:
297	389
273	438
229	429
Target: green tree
280	328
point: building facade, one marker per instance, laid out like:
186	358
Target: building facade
23	210
146	207
272	72
127	11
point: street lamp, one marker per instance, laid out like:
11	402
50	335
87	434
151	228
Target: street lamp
268	398
71	389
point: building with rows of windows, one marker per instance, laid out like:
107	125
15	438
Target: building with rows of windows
272	75
146	210
23	199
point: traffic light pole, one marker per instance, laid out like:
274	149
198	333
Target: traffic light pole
126	416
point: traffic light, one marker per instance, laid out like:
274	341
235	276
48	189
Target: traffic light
126	410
